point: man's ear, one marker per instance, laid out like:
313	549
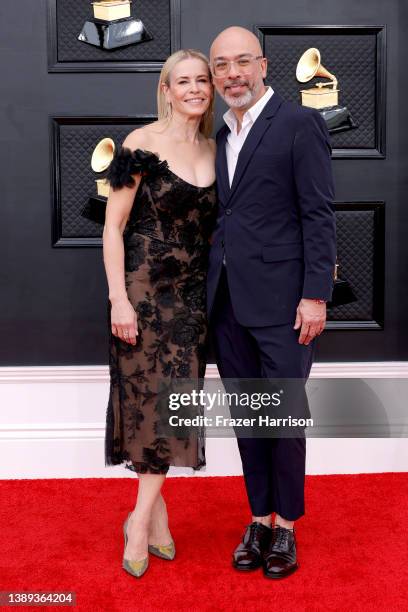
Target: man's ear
264	67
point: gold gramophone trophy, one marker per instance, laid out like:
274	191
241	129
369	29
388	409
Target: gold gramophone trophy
342	291
102	155
323	95
113	26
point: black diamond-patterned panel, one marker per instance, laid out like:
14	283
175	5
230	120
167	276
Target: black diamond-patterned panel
355	254
77	179
71	15
350	57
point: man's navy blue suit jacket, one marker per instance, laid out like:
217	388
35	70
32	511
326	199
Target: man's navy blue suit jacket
277	221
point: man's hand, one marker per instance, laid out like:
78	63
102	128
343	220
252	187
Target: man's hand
312	317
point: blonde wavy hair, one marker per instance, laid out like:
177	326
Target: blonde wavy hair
163	108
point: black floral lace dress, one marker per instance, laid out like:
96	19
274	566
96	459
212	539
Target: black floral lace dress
166	243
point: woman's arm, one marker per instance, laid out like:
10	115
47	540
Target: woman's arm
118	207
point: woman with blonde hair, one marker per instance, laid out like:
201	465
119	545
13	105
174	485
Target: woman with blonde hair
159	218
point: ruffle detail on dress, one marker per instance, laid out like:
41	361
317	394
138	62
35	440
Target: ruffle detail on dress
126	162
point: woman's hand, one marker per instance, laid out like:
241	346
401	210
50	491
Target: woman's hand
124	320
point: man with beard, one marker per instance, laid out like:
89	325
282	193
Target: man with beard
270	273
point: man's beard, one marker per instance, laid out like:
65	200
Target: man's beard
243	100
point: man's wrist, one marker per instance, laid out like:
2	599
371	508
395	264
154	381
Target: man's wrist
317	300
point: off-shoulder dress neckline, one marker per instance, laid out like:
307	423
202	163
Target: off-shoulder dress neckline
173	173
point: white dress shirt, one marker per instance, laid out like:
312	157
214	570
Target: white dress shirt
235	141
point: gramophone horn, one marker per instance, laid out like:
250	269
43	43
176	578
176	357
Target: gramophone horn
102	154
310	65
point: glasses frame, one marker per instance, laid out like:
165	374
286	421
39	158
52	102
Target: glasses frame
252	59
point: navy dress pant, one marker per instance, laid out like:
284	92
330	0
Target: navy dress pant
273	468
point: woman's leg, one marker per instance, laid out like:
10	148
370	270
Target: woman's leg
159	533
139	522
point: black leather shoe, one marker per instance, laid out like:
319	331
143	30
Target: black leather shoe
280	558
248	554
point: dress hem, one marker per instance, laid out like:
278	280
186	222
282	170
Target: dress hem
146	469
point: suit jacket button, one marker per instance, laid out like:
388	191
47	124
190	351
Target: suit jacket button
228	211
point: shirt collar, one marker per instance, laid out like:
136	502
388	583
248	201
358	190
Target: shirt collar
251	114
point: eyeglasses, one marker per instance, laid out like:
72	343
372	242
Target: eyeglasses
222	67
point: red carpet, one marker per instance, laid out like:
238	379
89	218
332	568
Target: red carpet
61	535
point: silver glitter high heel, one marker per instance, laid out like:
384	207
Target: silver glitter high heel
135	568
164	552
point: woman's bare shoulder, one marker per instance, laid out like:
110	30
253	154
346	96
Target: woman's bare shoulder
140	138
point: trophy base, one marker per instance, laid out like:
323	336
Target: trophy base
338	118
114	34
95	209
342	294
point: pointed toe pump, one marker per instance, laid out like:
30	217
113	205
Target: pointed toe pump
135	568
164	552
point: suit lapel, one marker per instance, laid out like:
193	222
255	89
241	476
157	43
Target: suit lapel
221	165
256	132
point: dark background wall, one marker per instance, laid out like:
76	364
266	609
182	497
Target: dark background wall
53	300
